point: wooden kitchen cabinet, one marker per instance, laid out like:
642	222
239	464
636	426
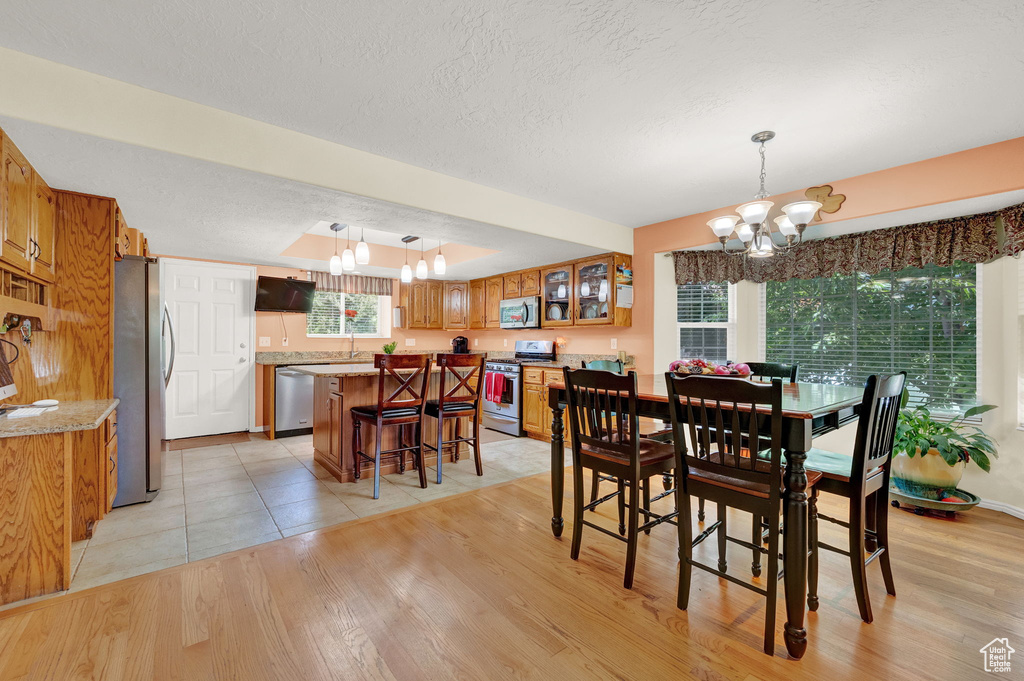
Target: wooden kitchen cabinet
110	453
595	292
435	305
493	290
44	222
557	285
17	199
476	304
335	421
535	402
512	284
456	305
530	283
121	244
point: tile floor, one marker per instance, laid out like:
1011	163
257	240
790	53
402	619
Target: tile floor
224	497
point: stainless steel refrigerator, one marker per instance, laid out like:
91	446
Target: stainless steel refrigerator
140	377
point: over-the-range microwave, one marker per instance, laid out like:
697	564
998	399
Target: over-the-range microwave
520	313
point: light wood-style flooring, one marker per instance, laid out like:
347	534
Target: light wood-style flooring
475	587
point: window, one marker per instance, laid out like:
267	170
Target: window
841	329
329	314
706	321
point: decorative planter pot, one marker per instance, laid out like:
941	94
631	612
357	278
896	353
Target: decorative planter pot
927	476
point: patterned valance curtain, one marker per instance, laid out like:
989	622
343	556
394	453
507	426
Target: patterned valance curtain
352	283
972	238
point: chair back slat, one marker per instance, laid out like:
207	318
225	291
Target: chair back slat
467	375
729	420
876	429
602	412
770	370
412	386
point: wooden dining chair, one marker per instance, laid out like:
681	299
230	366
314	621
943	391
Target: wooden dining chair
721	415
761	371
770	370
402	407
463	373
863	479
606	439
616	367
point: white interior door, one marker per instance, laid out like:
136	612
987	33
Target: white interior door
211	319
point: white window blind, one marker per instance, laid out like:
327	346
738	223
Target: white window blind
328	316
706	321
843	328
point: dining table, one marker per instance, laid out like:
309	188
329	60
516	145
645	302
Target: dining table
809	410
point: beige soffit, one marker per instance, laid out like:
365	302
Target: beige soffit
53	94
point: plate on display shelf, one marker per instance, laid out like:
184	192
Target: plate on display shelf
590	311
604	309
555	312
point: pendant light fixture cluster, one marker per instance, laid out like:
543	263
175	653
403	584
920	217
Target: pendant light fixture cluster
440	266
348	260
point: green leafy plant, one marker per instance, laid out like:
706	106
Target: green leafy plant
918	431
390	347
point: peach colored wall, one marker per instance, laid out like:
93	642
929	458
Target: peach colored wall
991	169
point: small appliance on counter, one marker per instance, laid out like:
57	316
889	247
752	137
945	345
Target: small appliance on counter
503	385
460	345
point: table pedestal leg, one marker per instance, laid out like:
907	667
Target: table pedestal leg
557	469
795	552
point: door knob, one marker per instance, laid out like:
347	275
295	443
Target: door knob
241	345
241	360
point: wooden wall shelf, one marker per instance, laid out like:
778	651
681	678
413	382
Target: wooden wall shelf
23	308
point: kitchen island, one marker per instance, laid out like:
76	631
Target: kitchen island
339	387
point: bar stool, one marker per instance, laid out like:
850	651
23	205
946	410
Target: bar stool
450	405
394	410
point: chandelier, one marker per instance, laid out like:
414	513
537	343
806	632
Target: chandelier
751	226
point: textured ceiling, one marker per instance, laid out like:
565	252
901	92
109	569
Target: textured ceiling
633	111
198	209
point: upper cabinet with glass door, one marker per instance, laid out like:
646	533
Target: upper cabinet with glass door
556	290
604	291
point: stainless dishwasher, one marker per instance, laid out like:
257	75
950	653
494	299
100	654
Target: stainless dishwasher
293	402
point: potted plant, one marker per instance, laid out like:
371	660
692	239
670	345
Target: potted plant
931	453
389	348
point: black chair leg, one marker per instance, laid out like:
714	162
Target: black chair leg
870	522
666	481
773	587
647	501
700	510
882	533
622	507
458	436
860	575
577	509
401	455
685	532
723	563
595	482
812	544
755	539
631	536
357	446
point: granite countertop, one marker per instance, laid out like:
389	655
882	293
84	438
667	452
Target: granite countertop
364	369
66	416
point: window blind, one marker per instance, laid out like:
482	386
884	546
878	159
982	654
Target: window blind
703	319
328	317
842	329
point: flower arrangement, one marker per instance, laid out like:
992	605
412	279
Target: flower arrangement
351	314
706	368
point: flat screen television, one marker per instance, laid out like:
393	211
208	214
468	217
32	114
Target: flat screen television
284	295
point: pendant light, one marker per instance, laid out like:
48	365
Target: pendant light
335	264
406	270
362	250
440	266
421	266
348	258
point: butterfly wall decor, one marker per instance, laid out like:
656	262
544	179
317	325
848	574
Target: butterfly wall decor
830	203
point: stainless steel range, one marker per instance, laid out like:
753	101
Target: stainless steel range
503	385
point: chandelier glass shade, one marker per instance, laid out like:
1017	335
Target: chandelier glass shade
362	250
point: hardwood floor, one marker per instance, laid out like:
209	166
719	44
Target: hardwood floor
475	587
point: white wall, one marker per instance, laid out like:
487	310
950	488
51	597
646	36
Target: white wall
1001	359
